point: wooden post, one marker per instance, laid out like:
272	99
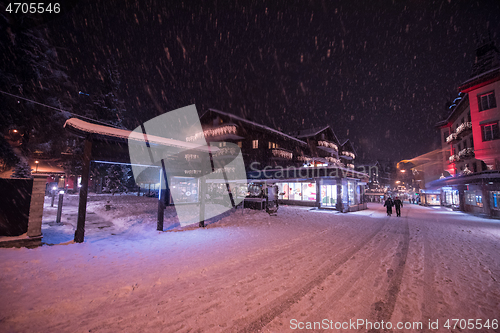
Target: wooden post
228	188
82	206
161	210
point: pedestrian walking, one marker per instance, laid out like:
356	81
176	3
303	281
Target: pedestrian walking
388	203
398	204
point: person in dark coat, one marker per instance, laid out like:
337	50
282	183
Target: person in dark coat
398	204
388	203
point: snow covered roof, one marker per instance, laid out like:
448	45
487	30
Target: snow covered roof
453	113
487	58
476	177
486	66
314	131
83	128
233	117
309	132
305	173
348	146
483	77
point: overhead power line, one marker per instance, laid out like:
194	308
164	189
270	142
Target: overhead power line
58	109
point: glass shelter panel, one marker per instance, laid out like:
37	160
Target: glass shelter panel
328	195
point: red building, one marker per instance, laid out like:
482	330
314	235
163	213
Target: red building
470	138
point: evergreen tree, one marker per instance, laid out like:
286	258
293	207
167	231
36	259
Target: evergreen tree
105	104
116	179
7	156
22	170
32	71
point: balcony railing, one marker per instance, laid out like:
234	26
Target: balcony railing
223	132
348	155
303	158
282	153
328	146
224	151
191	157
453	158
463	129
452	137
332	160
466	153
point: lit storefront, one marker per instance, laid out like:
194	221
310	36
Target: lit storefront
297	191
329	196
474	198
495	200
430	197
477	193
450	197
329	193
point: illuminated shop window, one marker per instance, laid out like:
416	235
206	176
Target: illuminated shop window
495	199
328	195
473	198
297	191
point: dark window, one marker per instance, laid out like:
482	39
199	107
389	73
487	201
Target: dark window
474	166
459	146
471	142
463	120
490	132
465	144
486	101
468	117
445	134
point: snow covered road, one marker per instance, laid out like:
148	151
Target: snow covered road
252	272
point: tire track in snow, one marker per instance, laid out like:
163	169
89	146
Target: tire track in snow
383	309
267	313
431	297
359	272
428	308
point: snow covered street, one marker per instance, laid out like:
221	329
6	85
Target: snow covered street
253	272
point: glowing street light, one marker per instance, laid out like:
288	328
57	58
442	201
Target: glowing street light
36	170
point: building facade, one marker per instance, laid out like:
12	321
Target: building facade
309	167
470	138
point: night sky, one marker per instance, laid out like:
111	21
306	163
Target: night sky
378	72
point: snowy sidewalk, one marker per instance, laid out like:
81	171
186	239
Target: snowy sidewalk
251	271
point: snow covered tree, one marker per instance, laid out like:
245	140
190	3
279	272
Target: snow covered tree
22	170
31	70
117	178
105	104
7	156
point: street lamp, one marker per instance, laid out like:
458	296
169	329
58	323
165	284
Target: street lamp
36	170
